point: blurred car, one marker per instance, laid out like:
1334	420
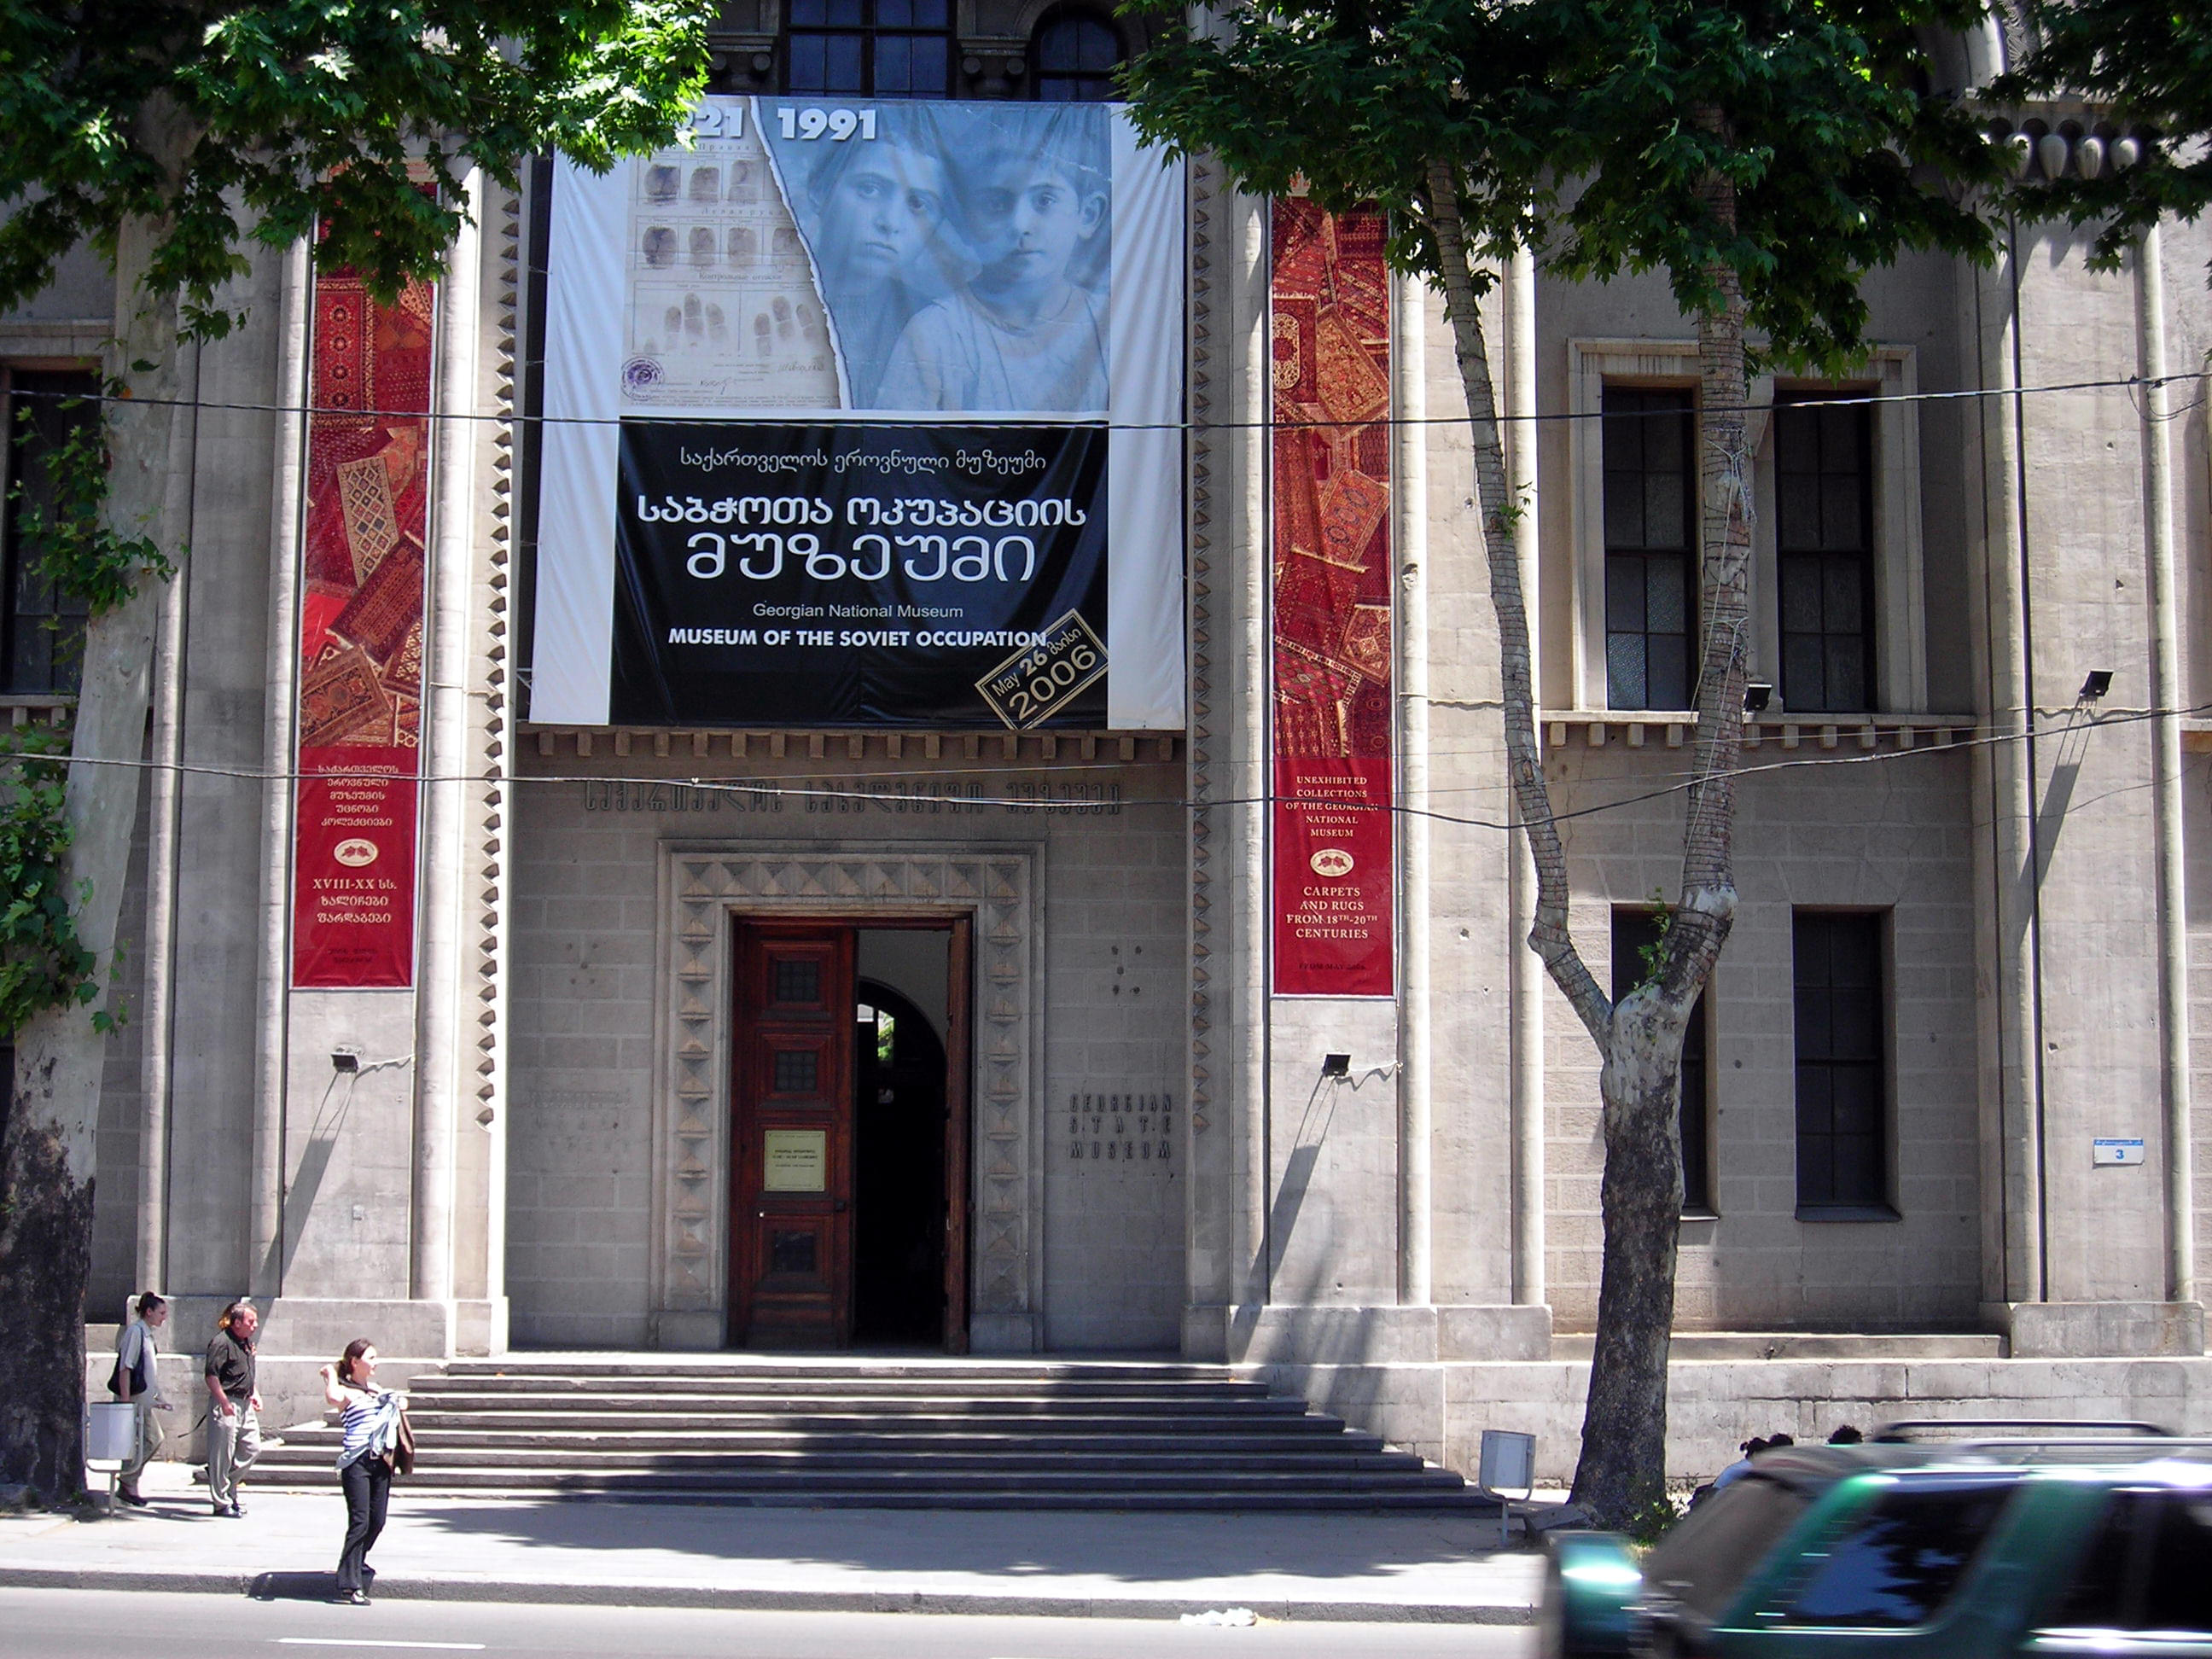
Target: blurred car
2042	1538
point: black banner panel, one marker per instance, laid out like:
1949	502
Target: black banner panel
841	575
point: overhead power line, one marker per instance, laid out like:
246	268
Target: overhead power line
852	785
2130	385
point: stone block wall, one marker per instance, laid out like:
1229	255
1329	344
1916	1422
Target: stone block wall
1888	835
579	1212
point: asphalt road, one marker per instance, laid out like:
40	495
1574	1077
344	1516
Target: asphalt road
134	1625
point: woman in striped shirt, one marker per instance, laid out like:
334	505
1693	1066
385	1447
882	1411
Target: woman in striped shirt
368	1422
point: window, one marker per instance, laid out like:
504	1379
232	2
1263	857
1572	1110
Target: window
1073	56
1704	1562
41	630
2146	1567
1650	549
1824	545
1840	1087
869	48
1898	1563
1635	930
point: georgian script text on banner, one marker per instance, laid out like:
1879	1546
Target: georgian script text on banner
360	639
1335	844
861	575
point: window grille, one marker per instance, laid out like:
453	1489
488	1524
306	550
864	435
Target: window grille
1842	1108
1650	549
868	48
1824	543
1073	56
1635	929
41	631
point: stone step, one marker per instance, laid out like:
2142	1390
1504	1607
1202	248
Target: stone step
1070	1482
325	1439
777	1385
1092	1461
869	1431
581	1420
951	1370
846	1406
1331	1497
1721	1347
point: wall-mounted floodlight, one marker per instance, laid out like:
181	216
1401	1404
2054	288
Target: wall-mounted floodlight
2098	682
1757	694
344	1060
1336	1065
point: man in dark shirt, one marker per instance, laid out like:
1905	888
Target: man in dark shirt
234	1406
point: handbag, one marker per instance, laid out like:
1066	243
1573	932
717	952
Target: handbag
402	1454
141	1380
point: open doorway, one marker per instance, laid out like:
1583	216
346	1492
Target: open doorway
849	1108
898	1173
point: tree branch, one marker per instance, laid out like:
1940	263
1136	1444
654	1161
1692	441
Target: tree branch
1550	936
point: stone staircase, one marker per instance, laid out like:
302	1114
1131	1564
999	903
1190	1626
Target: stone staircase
860	1432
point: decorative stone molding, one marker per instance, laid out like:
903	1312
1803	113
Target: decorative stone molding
1205	188
488	903
1671	728
951	750
704	887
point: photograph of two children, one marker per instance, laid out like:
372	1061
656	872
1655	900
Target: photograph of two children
910	258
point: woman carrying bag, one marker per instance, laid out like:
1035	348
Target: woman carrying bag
136	1381
374	1442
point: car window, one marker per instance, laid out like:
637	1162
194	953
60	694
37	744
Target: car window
1898	1560
1704	1561
2147	1567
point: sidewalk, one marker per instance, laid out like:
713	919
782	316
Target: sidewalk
1422	1568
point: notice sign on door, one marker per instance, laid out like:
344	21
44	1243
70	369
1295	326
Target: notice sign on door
1334	848
794	1160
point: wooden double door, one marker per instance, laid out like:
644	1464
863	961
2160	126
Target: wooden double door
799	1160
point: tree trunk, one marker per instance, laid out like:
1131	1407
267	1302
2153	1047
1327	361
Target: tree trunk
47	1157
1621	1475
1622	1471
1622	1464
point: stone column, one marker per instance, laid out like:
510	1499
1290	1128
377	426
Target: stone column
441	1021
265	1260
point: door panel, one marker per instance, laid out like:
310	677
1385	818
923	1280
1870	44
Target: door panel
957	1158
790	1225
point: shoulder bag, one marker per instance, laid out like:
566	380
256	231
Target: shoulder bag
401	1456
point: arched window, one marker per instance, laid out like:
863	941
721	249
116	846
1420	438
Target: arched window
1073	56
868	48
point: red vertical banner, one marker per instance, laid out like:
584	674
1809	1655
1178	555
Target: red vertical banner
361	638
1335	867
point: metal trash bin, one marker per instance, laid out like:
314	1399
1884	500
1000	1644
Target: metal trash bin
111	1432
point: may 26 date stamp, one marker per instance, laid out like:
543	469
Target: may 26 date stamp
1040	680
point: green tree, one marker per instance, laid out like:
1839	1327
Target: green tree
2150	62
1763	155
175	138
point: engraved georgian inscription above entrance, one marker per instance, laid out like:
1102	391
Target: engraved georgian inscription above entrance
704	886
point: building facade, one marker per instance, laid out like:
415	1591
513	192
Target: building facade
719	1029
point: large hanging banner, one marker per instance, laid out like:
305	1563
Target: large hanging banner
361	638
865	414
1334	860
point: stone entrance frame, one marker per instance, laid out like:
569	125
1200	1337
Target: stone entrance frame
704	887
